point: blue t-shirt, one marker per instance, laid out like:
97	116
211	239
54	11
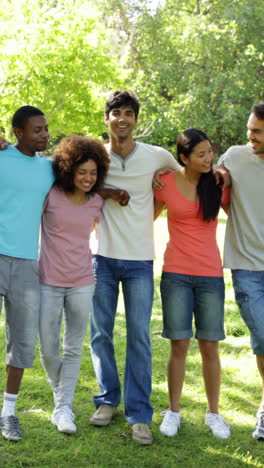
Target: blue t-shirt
24	184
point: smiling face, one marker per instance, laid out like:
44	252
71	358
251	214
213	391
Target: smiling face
200	159
85	176
34	136
121	122
255	134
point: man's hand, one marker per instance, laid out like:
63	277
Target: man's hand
156	183
118	195
3	143
222	176
121	196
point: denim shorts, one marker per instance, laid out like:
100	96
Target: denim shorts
19	285
185	296
249	293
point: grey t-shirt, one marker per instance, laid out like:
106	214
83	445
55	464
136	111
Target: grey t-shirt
244	240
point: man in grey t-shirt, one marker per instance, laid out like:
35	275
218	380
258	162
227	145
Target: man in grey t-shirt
244	242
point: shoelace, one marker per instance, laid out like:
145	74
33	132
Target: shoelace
170	416
221	420
12	423
67	412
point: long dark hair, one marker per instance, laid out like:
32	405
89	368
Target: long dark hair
209	193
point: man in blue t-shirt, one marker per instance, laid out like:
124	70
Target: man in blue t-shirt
25	179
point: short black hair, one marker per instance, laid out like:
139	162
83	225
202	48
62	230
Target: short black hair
22	115
258	110
122	98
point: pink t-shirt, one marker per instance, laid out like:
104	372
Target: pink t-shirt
192	248
65	255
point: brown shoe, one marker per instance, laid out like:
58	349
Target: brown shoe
141	433
103	415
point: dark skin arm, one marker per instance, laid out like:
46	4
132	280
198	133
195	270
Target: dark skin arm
118	195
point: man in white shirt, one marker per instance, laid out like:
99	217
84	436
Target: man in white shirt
125	255
244	241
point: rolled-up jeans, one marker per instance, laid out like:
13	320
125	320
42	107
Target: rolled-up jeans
136	278
63	371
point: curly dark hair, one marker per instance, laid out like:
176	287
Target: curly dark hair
74	150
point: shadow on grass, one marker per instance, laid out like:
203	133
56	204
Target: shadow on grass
194	447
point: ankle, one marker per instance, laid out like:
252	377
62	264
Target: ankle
9	404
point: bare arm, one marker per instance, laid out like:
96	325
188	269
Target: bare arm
119	195
222	176
157	184
158	207
226	207
225	200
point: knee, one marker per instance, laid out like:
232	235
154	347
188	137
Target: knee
179	349
72	352
209	350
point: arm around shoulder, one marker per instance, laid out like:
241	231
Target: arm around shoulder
118	195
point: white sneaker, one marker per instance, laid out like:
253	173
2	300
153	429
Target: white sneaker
63	418
171	423
258	433
219	427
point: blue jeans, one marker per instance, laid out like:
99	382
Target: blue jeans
249	292
63	372
136	278
186	295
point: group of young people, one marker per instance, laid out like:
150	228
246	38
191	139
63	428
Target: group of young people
84	181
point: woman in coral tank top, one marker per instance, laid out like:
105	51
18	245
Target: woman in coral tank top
192	282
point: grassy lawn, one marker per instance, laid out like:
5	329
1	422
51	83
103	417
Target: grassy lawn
43	446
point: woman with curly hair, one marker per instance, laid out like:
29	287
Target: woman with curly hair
66	276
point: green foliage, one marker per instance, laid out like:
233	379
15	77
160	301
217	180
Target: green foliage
55	56
195	63
192	63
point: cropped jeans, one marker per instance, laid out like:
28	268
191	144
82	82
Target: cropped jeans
63	371
136	278
249	293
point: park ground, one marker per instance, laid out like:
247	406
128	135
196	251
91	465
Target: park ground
194	447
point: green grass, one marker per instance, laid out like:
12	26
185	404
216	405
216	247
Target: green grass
194	447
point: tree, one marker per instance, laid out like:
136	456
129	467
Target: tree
55	55
193	63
